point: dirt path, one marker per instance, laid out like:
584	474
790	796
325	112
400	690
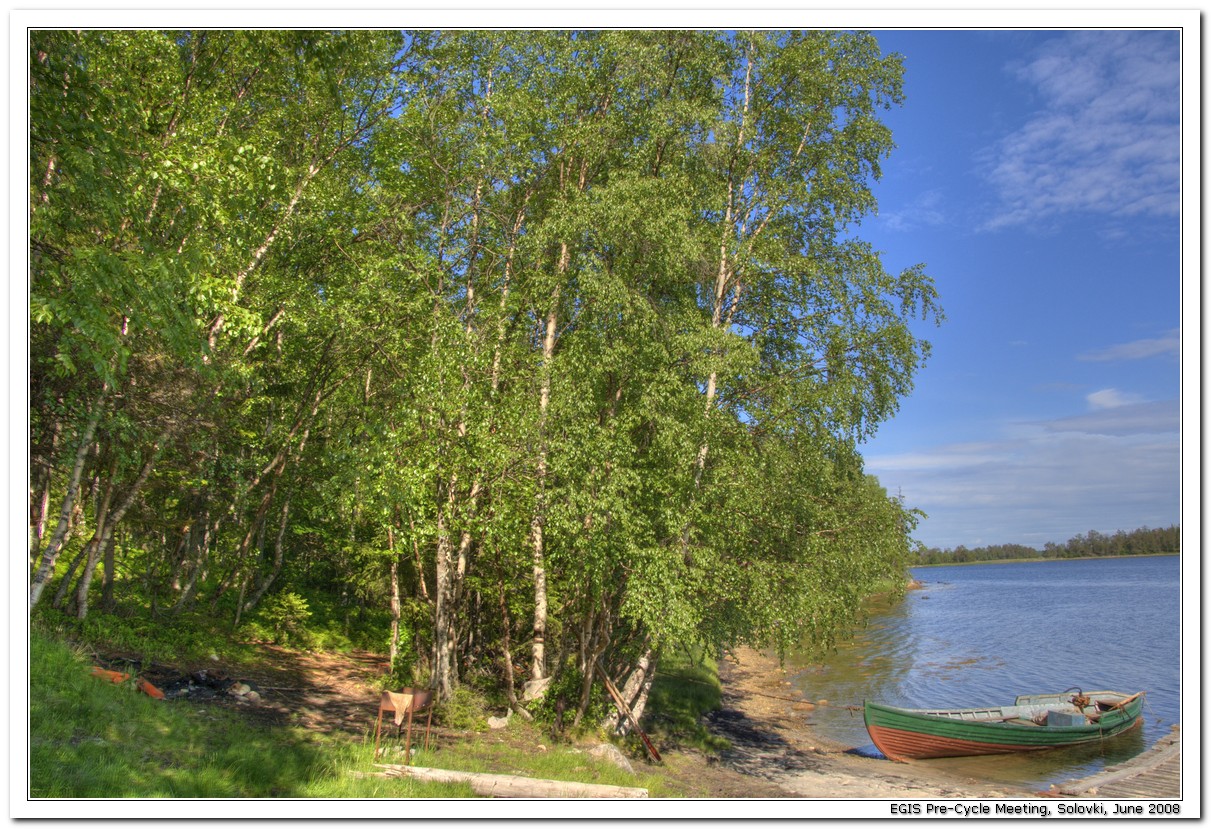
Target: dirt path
318	691
772	741
322	692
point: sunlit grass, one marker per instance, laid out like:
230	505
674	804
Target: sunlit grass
90	738
94	739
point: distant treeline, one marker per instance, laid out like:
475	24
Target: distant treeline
1144	541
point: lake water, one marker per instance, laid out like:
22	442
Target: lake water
982	634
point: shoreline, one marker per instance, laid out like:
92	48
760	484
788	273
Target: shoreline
1039	559
765	719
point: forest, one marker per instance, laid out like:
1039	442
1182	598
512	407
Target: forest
515	353
1141	542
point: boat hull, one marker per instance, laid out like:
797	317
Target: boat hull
918	734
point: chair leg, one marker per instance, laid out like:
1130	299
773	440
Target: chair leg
428	723
378	727
408	744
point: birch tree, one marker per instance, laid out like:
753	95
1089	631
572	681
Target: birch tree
557	347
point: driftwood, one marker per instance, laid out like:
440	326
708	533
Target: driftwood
506	785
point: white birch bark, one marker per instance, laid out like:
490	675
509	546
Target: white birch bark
50	555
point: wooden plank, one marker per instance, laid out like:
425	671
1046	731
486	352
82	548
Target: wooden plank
507	785
1154	774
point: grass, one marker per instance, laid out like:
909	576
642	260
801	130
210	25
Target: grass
686	686
93	739
90	738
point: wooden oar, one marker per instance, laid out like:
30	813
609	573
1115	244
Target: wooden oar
626	711
1123	702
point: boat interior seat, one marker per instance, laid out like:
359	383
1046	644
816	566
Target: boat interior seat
1021	721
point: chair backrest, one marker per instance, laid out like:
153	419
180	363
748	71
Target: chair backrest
406	699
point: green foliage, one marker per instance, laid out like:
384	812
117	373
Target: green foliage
464	710
563	695
1144	541
170	639
361	317
286	616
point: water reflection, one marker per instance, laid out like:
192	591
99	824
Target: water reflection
1051	766
981	635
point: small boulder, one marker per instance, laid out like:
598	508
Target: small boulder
605	751
499	722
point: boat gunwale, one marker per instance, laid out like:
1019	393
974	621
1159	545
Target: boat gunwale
1040	702
994	736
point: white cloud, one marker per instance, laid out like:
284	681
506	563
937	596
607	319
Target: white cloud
1110	399
924	211
1110	469
1168	344
1123	415
955	456
1106	138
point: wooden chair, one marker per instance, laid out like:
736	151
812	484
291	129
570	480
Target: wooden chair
403	705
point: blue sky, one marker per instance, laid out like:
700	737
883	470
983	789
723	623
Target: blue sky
1038	177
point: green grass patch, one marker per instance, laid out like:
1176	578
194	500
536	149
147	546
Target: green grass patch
94	739
189	637
90	738
685	688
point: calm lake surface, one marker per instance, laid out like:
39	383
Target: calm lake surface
981	634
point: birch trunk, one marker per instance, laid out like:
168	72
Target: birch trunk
723	274
635	692
396	603
209	530
538	648
107	575
38	522
278	557
506	648
111	522
443	607
87	551
50	555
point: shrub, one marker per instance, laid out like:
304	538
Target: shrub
285	615
465	710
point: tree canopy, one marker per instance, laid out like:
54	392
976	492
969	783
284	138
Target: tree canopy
556	348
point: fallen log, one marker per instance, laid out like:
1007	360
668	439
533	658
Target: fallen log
507	785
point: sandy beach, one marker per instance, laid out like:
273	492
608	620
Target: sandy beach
766	721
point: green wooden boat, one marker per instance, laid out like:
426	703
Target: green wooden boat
1033	722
